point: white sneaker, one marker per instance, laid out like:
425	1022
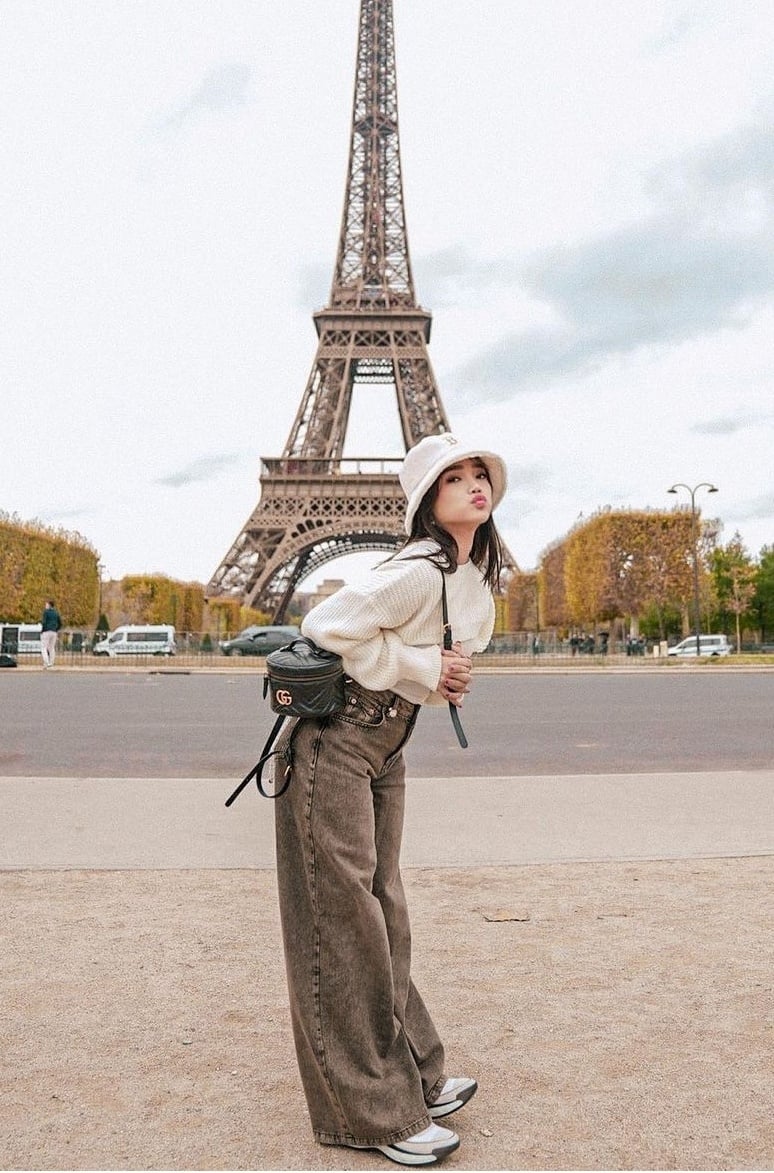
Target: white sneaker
425	1148
454	1093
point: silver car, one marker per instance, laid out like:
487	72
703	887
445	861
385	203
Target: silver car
709	645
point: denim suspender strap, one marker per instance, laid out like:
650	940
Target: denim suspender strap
447	643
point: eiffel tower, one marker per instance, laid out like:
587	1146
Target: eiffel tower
315	505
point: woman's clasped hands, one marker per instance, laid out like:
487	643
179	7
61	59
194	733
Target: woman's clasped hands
456	671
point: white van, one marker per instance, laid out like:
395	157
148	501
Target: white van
709	645
147	639
20	638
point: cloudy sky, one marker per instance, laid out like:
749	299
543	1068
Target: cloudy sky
589	189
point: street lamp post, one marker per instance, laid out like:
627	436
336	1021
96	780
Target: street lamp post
695	552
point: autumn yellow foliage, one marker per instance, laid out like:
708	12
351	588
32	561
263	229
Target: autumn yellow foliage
37	563
618	563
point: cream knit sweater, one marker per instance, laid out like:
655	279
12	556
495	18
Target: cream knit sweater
388	631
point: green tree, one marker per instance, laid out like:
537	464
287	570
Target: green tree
659	622
734	578
763	604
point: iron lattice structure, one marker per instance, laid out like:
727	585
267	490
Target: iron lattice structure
315	505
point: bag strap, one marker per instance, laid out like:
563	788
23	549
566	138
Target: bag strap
447	643
257	770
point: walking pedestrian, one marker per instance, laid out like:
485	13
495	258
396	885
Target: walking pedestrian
371	1061
50	625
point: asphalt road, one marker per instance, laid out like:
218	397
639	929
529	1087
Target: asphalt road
99	724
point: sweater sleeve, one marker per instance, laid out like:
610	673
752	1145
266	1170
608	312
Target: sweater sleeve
360	622
487	627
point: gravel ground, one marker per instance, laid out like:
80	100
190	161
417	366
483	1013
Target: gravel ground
617	1016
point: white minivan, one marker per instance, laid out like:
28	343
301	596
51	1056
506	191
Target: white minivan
20	638
149	639
709	645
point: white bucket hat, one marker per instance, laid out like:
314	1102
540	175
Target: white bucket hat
425	462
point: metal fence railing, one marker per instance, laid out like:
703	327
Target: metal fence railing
200	650
197	649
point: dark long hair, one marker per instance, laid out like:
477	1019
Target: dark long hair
486	551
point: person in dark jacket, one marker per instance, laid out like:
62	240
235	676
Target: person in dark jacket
50	624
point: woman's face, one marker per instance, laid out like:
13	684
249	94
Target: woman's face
464	496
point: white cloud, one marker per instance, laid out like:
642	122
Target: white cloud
205	468
693	267
729	424
221	89
589	198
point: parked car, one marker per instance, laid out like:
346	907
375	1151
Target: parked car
709	645
20	638
259	641
153	639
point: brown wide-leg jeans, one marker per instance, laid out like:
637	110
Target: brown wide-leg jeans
369	1056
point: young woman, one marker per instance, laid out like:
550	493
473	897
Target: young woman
371	1061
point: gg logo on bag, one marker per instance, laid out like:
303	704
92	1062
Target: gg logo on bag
283	697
